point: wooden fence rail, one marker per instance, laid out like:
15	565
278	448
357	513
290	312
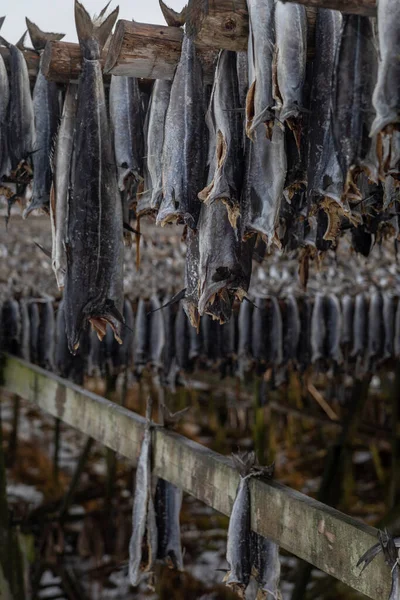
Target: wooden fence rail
326	538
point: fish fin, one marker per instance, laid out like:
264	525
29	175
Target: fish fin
2	19
93	34
369	556
40	38
43	249
173	18
4	42
21	42
176	298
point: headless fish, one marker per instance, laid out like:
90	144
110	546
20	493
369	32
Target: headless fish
274	332
261	48
259	338
34	331
143	513
291	330
360	324
46	107
291	59
94	277
375	327
46	335
61	173
266	566
264	182
225	123
4	100
334	328
25	330
182	340
10	331
245	337
389	321
141	335
168	502
184	156
157	334
354	79
318	329
305	347
347	320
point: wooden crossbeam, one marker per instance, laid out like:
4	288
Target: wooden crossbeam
324	537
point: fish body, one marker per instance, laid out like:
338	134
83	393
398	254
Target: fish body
334	328
238	545
4	100
259	337
141	335
46	108
304	352
376	329
140	511
25	330
245	337
274	332
126	116
191	300
291	330
11	326
397	332
264	182
167	503
389	321
94	277
46	336
266	566
318	328
347	321
34	331
360	324
386	96
324	174
157	333
242	69
61	174
291	59
261	49
184	156
353	83
225	123
20	117
182	340
156	115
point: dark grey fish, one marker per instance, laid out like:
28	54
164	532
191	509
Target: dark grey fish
154	140
4	100
333	328
360	324
264	182
46	335
211	336
25	330
389	321
386	96
324	175
352	111
122	354
34	331
10	331
397	332
261	51
318	328
376	328
347	321
291	59
94	279
184	149
157	334
167	503
224	122
46	108
244	338
259	337
305	348
141	335
169	349
20	116
242	68
266	566
291	330
143	510
61	175
274	332
182	340
127	121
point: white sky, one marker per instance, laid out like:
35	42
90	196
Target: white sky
58	15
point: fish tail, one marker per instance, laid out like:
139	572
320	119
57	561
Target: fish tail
93	34
4	42
173	18
40	38
1	21
244	462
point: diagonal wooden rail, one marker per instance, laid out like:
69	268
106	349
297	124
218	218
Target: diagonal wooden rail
326	538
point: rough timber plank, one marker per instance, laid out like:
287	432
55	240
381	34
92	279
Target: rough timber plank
328	539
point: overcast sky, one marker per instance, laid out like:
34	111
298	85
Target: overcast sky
58	15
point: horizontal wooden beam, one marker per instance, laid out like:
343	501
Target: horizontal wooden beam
322	536
150	51
357	7
62	61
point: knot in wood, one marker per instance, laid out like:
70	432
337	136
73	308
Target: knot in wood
230	24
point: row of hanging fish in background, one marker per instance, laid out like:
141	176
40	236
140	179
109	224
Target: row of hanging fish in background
280	147
279	333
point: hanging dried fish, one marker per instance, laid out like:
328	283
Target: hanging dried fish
347	321
94	278
318	328
225	124
10	330
141	336
389	320
25	330
274	332
360	324
34	331
259	338
290	64
182	340
261	48
156	334
266	566
376	329
244	338
184	153
168	502
305	348
333	328
46	336
191	299
353	83
61	175
4	100
291	330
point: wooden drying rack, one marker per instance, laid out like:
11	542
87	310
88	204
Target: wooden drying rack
315	532
152	51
